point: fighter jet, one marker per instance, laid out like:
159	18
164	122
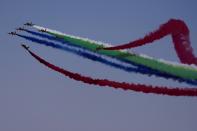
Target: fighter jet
99	48
29	24
20	28
42	30
12	33
24	46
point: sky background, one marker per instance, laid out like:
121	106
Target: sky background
33	97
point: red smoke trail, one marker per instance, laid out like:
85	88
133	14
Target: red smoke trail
180	36
114	84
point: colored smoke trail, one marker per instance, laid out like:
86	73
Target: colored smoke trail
102	60
50	37
159	65
121	85
88	55
180	36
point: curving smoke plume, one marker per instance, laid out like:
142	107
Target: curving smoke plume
85	54
180	36
121	85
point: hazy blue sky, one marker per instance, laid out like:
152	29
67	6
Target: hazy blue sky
33	97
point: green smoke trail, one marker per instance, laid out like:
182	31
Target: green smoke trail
180	70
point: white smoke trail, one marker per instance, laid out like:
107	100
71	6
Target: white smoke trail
175	64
